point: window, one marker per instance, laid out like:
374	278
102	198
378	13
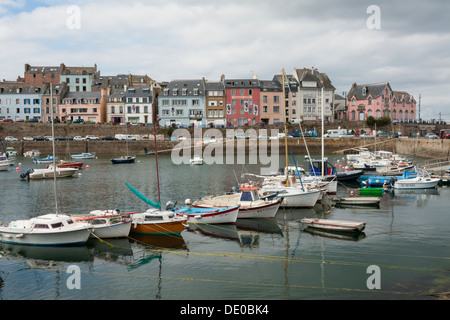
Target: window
276	109
17	101
265	99
369	101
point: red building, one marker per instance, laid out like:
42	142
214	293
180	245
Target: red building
242	101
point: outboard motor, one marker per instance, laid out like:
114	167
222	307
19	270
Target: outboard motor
170	206
392	181
26	174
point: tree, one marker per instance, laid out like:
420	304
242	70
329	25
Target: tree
370	121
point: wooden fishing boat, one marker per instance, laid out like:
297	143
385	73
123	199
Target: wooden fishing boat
156	221
334	225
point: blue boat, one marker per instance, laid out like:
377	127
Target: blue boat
380	181
49	159
84	155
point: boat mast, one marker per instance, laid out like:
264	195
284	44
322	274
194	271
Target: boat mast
323	166
285	132
157	170
53	147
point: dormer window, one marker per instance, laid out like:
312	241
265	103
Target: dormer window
175	92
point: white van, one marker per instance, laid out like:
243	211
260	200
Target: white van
337	133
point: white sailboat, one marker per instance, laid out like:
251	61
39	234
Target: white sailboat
47	230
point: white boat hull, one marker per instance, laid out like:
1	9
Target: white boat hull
226	216
49	173
334	225
294	197
416	184
116	230
265	211
55	238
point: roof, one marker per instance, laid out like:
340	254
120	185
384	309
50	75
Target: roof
372	89
186	88
312	75
270	86
241	83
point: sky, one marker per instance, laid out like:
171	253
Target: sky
405	43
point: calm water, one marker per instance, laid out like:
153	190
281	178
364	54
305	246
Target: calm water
407	238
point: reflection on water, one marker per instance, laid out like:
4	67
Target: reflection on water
253	259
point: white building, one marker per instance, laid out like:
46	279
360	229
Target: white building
20	101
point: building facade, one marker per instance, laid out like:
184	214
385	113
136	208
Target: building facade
138	105
310	83
87	106
242	101
216	114
79	78
271	99
379	100
20	101
183	103
58	91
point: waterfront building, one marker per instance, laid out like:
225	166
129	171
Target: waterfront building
379	100
115	106
242	101
88	106
20	101
138	105
403	107
340	107
310	83
38	75
271	99
183	103
216	114
59	90
292	97
79	78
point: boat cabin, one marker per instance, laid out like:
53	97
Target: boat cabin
316	168
249	194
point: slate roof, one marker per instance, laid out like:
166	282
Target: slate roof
314	76
270	86
373	89
190	87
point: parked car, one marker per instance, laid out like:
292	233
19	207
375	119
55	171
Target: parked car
60	138
11	138
431	135
48	138
27	138
109	138
33	120
91	137
78	121
78	138
7	120
39	138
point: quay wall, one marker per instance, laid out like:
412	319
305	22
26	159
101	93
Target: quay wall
408	144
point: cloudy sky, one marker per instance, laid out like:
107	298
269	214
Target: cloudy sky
405	43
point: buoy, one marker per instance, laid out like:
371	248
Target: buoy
87	166
20	163
17	169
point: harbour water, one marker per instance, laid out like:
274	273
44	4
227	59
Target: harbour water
407	239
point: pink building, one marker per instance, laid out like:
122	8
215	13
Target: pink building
379	100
